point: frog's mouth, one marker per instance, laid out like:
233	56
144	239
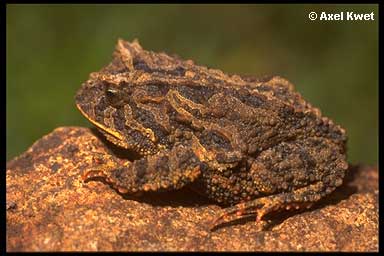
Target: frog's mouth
117	138
102	127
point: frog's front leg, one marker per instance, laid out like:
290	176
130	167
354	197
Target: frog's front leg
166	170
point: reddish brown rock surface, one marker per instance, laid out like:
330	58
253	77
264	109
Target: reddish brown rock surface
49	208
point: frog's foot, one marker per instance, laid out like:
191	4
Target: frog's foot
298	199
102	164
106	173
166	170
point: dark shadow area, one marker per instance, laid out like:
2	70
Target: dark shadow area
183	197
117	151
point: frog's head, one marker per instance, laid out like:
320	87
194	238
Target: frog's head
112	98
108	107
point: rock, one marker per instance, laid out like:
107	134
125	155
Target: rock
50	208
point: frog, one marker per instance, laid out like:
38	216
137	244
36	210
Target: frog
253	145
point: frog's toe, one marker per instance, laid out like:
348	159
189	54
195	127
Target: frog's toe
232	213
108	176
89	174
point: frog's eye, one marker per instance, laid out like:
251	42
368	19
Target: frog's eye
114	97
111	92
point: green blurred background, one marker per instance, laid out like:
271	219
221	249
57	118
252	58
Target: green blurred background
51	49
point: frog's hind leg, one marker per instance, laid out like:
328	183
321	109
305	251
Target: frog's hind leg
297	199
166	170
316	166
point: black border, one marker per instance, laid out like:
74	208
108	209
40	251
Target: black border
3	16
